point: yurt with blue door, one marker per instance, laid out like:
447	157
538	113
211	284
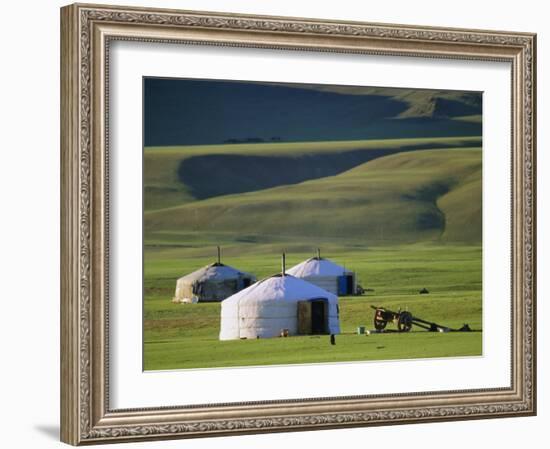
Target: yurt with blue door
326	275
279	305
212	283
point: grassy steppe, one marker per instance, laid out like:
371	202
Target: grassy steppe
403	214
186	336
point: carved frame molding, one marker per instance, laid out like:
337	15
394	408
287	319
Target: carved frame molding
87	31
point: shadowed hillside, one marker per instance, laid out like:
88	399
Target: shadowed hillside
236	173
418	102
400	198
174	176
197	112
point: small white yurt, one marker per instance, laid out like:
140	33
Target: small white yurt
212	283
326	274
279	304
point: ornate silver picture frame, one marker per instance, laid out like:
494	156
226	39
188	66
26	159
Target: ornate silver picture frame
87	31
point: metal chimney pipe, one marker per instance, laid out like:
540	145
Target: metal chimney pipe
283	263
219	256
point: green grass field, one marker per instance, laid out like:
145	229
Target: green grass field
403	214
186	335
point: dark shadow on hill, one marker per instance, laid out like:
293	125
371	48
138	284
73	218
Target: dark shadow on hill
436	126
200	112
433	218
444	107
224	174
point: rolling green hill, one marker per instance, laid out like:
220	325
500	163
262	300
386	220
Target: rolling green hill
174	176
417	102
198	112
411	196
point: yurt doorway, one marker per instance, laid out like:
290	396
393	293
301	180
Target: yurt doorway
318	321
312	317
345	285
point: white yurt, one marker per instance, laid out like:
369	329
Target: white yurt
276	305
212	283
326	274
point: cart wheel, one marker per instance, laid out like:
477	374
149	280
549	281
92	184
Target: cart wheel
404	323
379	322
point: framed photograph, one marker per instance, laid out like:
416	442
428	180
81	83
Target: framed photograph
281	224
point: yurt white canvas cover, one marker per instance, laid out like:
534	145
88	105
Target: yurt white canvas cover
280	302
327	275
211	283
